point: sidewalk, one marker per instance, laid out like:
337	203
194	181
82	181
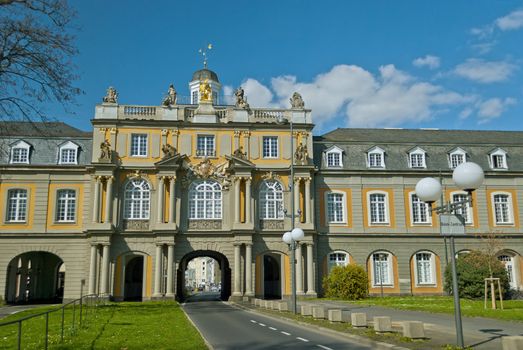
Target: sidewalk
7	310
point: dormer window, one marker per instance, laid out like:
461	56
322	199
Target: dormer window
68	153
417	158
333	157
498	159
457	157
20	153
376	158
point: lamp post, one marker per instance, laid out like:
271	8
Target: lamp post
468	177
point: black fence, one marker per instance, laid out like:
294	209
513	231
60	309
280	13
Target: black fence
78	311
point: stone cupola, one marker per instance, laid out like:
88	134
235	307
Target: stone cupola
198	78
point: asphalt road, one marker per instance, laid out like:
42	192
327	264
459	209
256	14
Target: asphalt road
226	327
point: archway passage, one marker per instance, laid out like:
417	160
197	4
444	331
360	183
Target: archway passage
35	277
133	285
224	278
271	277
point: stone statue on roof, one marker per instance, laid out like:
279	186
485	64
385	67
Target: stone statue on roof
168	150
239	153
170	99
205	91
297	101
240	98
111	95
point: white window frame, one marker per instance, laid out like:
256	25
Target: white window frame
432	269
68	146
340	206
335	152
271	200
337	258
68	203
417	205
371	163
418	152
17	201
139	145
510	266
509	208
386	220
271	151
389	274
494	165
205	200
455	152
469	218
205	145
137	200
20	146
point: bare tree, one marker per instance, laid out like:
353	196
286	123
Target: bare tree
35	58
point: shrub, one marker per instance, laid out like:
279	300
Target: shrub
346	282
472	270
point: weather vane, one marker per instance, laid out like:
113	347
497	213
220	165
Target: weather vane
203	52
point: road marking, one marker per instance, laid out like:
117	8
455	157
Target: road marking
253	321
282	332
323	347
261	324
274	329
302	339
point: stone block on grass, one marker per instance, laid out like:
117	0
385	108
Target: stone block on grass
358	319
306	310
514	342
413	329
283	306
319	312
382	324
334	315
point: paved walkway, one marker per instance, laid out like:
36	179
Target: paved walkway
478	333
7	310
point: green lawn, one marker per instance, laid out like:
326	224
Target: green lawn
513	309
148	325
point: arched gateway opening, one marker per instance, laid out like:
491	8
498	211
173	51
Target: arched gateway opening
218	278
35	277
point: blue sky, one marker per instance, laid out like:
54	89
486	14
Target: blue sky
412	64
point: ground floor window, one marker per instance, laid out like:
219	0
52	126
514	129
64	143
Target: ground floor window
381	269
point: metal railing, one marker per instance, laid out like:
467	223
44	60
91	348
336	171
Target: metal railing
81	309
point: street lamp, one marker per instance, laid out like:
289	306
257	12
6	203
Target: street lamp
468	177
291	237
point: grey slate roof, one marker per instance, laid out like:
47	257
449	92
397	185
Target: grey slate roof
437	143
45	140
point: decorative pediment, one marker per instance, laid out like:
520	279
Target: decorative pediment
170	161
207	170
239	162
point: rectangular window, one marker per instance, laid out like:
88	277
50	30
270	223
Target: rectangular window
424	268
139	145
498	161
20	155
66	206
381	269
456	159
335	208
464	211
194	98
205	146
416	160
378	208
16	205
420	211
502	209
333	159
270	147
67	156
375	160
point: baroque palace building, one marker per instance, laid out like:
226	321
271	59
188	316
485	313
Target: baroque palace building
122	210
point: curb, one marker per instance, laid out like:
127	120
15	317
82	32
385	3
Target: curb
209	346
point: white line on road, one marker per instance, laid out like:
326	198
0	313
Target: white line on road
282	332
261	324
302	339
323	347
253	321
274	329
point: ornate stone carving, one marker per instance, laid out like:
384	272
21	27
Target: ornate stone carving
137	175
105	151
271	224
136	225
240	99
111	95
297	101
168	151
205	224
205	91
238	153
301	154
271	176
170	98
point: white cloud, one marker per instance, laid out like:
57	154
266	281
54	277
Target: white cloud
512	21
432	62
493	108
390	98
483	71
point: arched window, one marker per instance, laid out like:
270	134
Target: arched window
508	261
338	259
425	268
137	200
271	200
381	265
205	200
